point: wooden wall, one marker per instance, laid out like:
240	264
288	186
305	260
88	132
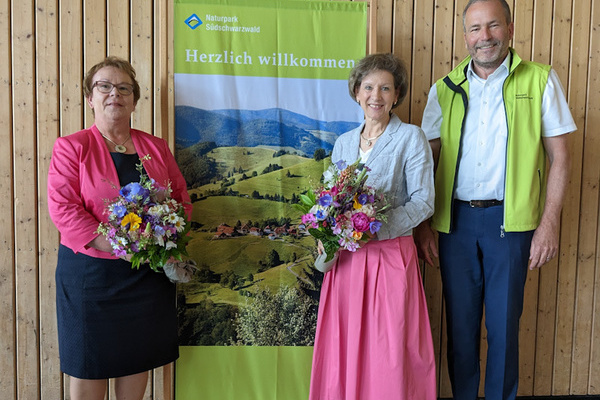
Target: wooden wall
47	45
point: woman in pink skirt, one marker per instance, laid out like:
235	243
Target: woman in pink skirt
373	339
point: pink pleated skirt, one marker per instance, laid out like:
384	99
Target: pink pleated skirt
373	339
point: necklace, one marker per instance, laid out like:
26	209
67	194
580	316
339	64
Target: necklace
370	140
118	147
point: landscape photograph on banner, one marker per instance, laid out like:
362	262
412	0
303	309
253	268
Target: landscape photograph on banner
248	147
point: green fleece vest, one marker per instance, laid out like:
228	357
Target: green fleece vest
525	179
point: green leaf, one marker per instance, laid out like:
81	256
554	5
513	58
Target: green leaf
330	248
317	233
308	199
301	207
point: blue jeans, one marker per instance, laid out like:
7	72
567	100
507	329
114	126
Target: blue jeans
480	267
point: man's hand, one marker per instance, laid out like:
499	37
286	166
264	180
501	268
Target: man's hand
425	241
544	245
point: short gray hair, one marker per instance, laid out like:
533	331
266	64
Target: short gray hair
503	3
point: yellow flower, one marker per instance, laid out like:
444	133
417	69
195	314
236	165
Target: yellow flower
356	205
133	220
357	235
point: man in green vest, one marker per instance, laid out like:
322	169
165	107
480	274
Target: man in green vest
492	122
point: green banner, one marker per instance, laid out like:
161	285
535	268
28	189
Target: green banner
283	39
243	373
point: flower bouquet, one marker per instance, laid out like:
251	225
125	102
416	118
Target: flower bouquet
146	223
343	211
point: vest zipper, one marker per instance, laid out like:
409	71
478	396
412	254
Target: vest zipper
505	154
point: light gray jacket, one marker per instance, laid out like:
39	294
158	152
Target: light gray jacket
402	166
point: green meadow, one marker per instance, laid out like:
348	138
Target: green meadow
246	255
297	173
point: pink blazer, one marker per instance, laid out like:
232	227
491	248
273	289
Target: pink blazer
82	176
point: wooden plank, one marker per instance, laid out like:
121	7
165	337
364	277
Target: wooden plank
441	65
444	386
384	19
141	50
542	32
548	275
94	36
441	61
8	378
372	26
48	130
483	355
117	19
522	13
591	140
402	47
162	44
422	55
589	208
523	21
443	40
170	83
71	67
162	383
459	49
527	334
25	216
566	294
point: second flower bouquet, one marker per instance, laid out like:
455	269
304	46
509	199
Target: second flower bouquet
344	210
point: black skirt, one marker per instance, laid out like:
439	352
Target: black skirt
113	320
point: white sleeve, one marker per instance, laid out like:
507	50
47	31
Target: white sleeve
556	115
432	115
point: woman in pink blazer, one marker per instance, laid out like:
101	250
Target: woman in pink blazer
113	321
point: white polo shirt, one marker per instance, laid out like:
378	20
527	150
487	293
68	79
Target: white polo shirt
483	162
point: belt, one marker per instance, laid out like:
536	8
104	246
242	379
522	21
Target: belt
482	203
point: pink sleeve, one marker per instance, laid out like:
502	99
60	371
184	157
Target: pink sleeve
76	225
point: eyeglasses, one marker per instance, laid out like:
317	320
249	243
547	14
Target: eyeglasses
106	87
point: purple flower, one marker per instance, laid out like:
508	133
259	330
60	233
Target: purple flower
331	221
119	210
348	245
363	198
341	165
134	192
374	227
325	200
308	218
119	252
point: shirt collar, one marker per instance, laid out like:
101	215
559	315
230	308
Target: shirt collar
502	70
